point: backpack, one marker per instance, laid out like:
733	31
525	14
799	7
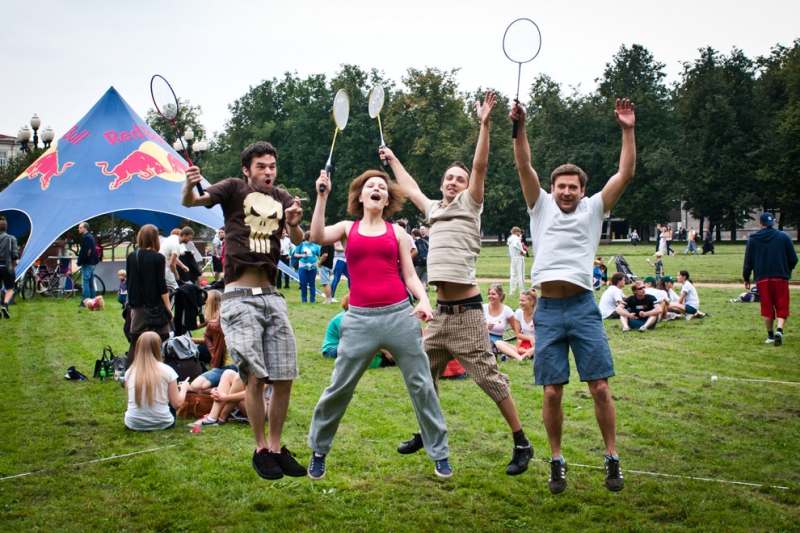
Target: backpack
98	252
421	259
181	354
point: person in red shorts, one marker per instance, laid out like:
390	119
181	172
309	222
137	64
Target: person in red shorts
770	256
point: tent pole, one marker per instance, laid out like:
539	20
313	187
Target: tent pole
113	238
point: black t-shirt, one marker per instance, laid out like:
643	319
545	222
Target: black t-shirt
634	305
253	226
327	249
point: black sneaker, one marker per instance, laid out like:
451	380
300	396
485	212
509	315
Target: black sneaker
443	468
519	461
5	311
266	466
287	464
316	468
558	476
412	445
614	480
778	334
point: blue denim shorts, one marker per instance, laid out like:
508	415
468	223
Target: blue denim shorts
215	374
564	323
325	275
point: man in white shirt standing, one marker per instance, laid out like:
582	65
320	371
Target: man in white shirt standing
565	233
517	254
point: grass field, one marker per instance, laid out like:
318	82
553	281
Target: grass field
65	463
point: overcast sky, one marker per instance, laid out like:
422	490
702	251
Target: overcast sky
59	58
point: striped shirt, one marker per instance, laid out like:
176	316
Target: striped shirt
455	239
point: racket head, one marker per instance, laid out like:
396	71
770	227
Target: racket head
376	98
522	41
164	97
341	109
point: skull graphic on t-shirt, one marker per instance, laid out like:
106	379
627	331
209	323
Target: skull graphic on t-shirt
262	214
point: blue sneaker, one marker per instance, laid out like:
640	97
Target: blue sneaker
316	468
778	338
443	468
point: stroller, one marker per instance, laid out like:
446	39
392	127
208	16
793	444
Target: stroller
623	266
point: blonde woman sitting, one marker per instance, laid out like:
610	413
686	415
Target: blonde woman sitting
523	329
153	391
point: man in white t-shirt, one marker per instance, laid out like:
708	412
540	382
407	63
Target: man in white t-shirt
565	233
612	297
517	254
171	250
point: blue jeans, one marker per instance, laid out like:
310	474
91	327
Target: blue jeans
691	246
87	275
339	268
307	278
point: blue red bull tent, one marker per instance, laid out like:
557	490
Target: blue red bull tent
109	162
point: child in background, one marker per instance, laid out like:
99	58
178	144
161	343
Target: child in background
658	266
122	292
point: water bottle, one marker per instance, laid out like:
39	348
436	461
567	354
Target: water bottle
102	372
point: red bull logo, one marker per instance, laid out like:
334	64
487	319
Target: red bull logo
137	163
178	166
46	168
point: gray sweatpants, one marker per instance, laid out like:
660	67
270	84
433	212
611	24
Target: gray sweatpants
363	332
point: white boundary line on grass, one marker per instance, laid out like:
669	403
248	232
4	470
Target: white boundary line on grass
763	380
92	461
689	477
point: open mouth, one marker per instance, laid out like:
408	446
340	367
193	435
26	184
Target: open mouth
375	196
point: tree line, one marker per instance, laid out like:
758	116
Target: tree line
724	139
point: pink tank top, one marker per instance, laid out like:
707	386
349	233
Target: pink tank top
374	270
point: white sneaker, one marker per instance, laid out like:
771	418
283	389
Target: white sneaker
334	300
327	301
625	328
671	316
769	341
688	317
642	329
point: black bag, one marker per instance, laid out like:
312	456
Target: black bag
104	367
181	354
155	317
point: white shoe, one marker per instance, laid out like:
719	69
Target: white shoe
625	328
672	316
334	300
642	329
769	341
688	317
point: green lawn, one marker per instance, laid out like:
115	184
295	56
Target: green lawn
725	266
672	420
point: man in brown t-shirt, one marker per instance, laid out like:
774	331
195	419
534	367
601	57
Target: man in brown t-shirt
253	316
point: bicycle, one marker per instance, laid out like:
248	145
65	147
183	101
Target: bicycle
40	279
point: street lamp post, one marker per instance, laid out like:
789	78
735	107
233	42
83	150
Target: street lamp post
24	135
195	149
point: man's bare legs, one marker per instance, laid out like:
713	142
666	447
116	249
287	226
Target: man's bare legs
254	400
509	410
278	407
553	415
606	413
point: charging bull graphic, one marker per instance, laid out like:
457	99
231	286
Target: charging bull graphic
145	165
148	161
46	167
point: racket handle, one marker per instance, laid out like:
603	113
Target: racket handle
328	172
383	145
514	129
199	189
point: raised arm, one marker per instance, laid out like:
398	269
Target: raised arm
528	178
627	158
189	196
320	233
405	180
481	162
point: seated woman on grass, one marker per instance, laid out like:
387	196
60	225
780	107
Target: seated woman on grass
212	346
153	391
523	328
498	317
229	400
380	315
